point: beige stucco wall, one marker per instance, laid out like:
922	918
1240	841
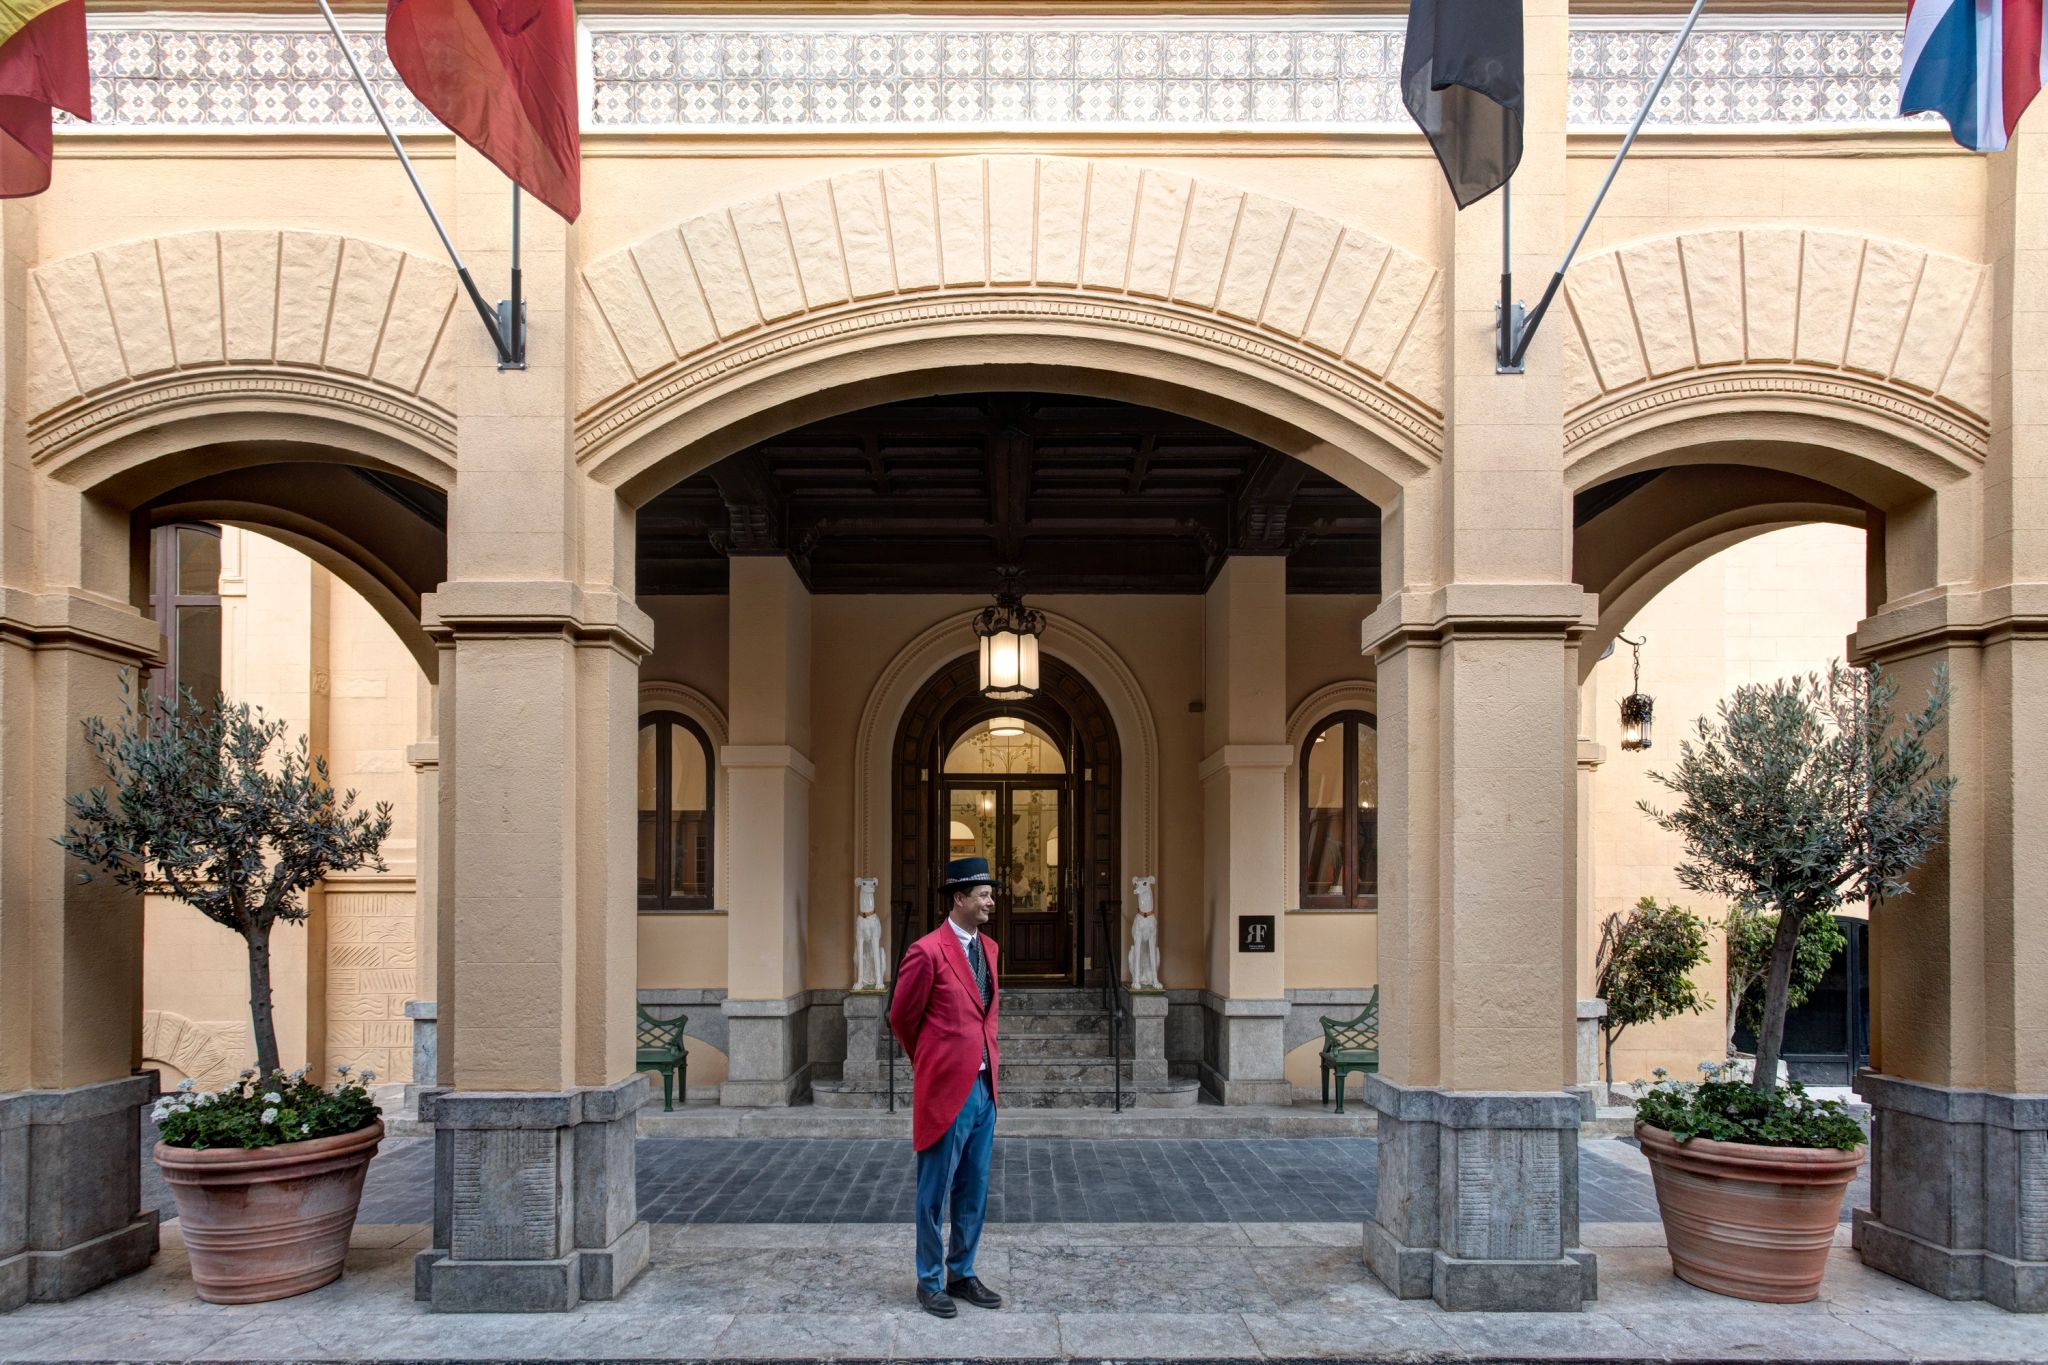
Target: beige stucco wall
1777	605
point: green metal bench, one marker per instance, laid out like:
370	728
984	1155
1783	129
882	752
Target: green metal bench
660	1044
1351	1045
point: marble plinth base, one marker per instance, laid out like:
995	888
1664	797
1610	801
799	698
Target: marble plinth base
768	1052
1478	1203
1148	1040
535	1207
1958	1191
425	1016
1245	1050
70	1188
867	1031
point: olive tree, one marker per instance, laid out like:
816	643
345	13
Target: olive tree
1801	795
204	805
1644	968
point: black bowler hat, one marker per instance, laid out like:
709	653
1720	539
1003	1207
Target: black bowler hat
965	873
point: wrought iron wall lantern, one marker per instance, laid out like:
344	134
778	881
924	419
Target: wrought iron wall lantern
1636	707
1009	633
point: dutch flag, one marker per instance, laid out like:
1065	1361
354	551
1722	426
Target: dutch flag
1977	63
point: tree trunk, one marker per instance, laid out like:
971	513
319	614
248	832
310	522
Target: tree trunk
1607	1039
1770	1033
260	1017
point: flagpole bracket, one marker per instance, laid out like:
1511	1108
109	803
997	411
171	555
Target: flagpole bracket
513	355
1510	325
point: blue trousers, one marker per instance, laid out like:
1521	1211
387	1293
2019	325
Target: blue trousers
957	1164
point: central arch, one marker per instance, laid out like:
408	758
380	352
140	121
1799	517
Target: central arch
1095	277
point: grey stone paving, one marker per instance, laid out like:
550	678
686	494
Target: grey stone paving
1033	1180
1076	1292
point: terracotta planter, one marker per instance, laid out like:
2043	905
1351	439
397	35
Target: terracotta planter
1749	1222
266	1223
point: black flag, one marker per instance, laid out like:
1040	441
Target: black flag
1461	78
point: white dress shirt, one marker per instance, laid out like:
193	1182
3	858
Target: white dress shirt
967	937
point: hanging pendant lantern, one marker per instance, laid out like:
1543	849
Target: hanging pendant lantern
1636	707
1009	634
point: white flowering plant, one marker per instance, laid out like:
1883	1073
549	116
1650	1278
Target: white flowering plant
1724	1107
251	1112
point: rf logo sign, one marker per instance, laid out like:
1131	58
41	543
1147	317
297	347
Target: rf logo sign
1255	933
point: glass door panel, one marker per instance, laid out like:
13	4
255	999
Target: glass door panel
1031	862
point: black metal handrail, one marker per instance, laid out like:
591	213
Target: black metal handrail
1114	996
899	940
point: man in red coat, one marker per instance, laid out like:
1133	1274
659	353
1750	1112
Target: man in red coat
944	1013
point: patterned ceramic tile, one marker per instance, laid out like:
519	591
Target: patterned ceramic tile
220	73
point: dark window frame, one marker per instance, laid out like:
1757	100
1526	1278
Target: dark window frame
165	600
1347	725
666	724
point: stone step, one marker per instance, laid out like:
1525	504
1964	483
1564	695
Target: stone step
1032	999
1045	1047
1076	1070
1046	1023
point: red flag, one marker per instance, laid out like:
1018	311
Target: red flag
43	68
500	75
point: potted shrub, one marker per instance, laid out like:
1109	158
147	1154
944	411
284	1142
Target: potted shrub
1796	797
1643	969
267	1171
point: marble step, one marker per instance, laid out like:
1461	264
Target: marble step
1076	1070
1048	1023
1050	998
1045	1047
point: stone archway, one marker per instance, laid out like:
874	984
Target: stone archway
1069	704
1095	277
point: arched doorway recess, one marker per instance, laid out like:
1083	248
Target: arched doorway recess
1051	935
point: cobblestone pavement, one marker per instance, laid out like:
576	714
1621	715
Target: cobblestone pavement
1033	1180
1075	1292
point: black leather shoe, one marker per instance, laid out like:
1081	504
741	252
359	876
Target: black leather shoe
975	1292
935	1303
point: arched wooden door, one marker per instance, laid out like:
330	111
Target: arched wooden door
1047	922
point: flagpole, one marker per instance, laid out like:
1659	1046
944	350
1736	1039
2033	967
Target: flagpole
1516	335
515	320
505	355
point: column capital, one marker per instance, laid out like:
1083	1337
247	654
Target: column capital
768	756
1434	615
483	609
1945	618
1245	757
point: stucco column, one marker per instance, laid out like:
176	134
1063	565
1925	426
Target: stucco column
1958	1077
1244	810
1477	668
70	953
535	1205
769	775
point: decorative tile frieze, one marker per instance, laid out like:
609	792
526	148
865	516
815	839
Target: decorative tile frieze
245	73
1737	72
216	73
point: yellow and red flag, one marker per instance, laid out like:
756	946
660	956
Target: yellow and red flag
42	69
500	75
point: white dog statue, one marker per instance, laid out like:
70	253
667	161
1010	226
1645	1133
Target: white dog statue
867	938
1144	955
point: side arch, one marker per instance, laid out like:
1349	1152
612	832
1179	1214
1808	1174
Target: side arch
1779	334
1081	649
204	324
1633	550
1009	246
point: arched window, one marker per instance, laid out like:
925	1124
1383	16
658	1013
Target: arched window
184	597
676	787
1340	814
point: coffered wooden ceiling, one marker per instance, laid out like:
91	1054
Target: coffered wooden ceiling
934	495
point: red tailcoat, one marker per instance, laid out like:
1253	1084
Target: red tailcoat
937	1016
